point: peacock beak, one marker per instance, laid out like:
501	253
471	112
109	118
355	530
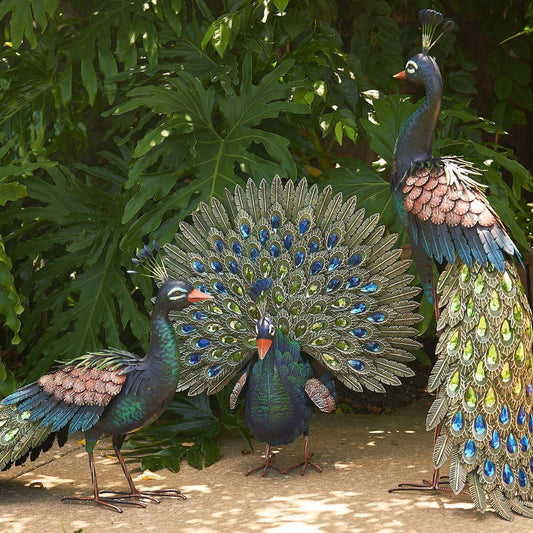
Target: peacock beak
197	296
401	75
263	345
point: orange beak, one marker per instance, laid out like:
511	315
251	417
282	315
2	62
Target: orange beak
263	345
401	75
197	296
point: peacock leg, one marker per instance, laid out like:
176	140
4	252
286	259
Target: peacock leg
266	465
306	461
118	440
96	498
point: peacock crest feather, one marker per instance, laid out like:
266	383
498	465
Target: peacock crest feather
431	33
328	277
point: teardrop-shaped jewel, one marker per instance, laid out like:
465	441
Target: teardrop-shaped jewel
518	312
275	221
356	364
504	415
333	285
319	341
213	370
494	303
287	241
471	308
228	339
507	475
506	372
330	359
468	351
203	288
529	390
219	245
304	225
522	478
524	443
358	308
492	357
198	315
458	421
202	343
490	398
318	326
369	287
479	284
517	387
530	423
237	248
300	330
342	345
495	440
479	425
245	230
488	468
470	449
295	286
371	346
455	306
531	464
274	251
313	289
511	443
376	317
519	354
299	259
471	397
233	268
254	254
195	358
480	373
355	260
334	263
353	282
188	328
219	287
453	342
236	325
333	239
316	267
454	383
359	332
506	332
263	236
198	266
341	322
313	247
213	328
217	267
507	282
465	273
481	329
315	309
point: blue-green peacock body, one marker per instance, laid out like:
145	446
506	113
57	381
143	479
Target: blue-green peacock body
483	377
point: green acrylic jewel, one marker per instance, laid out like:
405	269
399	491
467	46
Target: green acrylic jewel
341	322
252	342
266	267
471	397
341	302
456	303
295	286
528	360
238	356
232	306
278	296
465	274
520	354
3	423
480	373
471	308
495	303
236	325
318	326
213	328
518	313
517	388
253	312
237	289
228	339
468	350
482	326
249	273
506	372
506	332
479	284
330	360
490	398
219	352
300	330
507	282
316	309
313	289
453	342
10	435
492	357
319	341
215	309
283	270
25	415
342	345
296	309
455	381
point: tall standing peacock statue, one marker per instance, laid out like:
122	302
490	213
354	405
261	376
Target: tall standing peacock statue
297	275
482	413
112	391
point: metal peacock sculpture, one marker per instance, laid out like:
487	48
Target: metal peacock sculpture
482	413
303	269
112	391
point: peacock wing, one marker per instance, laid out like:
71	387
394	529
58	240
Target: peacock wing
340	288
484	371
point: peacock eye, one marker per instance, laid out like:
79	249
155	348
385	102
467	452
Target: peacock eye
411	67
256	330
271	329
176	293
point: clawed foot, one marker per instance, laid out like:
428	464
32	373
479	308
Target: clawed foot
108	501
149	495
305	463
441	483
264	467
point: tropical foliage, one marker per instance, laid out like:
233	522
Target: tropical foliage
118	117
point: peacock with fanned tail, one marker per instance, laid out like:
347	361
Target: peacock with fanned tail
326	278
482	414
112	391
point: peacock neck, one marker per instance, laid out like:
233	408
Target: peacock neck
163	354
415	142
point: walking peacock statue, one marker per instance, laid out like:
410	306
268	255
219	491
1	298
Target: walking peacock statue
296	274
482	412
112	391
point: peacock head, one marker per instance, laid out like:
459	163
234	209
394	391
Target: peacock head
176	295
419	69
265	335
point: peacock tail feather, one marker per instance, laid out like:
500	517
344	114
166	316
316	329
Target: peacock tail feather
484	371
339	287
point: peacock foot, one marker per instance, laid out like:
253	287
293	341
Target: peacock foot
266	465
438	483
108	501
306	462
150	495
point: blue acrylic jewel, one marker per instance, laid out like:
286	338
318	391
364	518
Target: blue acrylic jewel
369	287
254	253
299	258
334	263
198	266
511	443
245	230
263	236
488	468
355	260
194	358
332	241
504	415
198	315
531	464
356	364
359	332
531	423
213	370
479	425
470	449
524	443
233	268
313	247
376	317
353	282
219	287
316	267
522	478
333	285
275	222
371	346
358	308
203	288
274	251
458	421
202	343
304	225
188	328
521	416
287	241
529	390
495	440
219	245
507	476
237	248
